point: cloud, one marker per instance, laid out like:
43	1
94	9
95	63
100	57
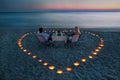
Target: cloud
19	4
58	4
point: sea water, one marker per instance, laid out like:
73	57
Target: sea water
60	19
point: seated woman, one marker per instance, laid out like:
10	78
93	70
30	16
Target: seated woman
76	32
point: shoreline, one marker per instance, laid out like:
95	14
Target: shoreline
88	29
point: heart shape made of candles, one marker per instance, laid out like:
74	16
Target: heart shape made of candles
53	67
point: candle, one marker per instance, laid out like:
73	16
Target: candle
29	53
59	71
45	63
34	57
97	50
69	69
76	64
94	53
101	45
83	60
90	57
40	60
24	50
51	67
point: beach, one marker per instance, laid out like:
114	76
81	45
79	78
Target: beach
16	65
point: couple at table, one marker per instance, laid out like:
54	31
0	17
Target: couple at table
48	37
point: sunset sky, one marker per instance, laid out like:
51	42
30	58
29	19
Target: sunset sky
30	5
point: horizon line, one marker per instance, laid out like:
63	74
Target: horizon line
63	10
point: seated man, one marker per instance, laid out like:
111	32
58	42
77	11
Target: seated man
43	34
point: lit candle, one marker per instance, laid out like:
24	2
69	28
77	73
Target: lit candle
69	69
59	71
20	45
94	53
90	57
34	57
40	60
83	60
76	64
29	53
102	40
97	50
96	35
101	45
24	50
45	63
51	67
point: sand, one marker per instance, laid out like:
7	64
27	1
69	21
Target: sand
16	65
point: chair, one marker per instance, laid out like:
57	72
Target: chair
74	41
44	42
75	38
41	39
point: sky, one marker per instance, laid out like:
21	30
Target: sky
31	5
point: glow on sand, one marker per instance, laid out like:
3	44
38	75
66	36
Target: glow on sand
92	55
